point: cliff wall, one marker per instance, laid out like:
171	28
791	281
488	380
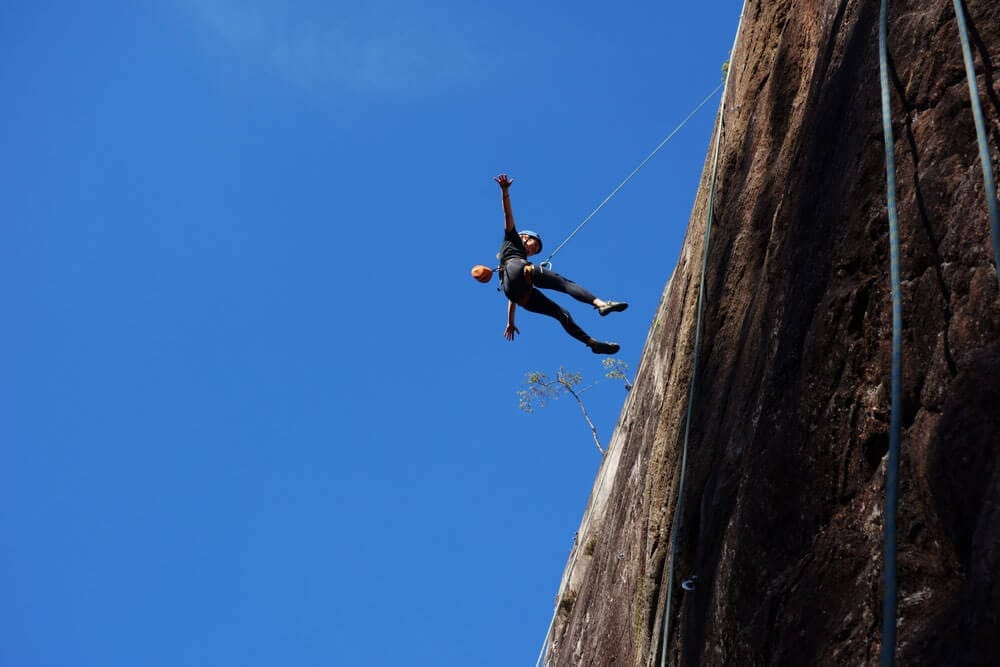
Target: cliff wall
784	494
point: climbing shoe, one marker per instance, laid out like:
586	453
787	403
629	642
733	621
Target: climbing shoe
604	348
612	307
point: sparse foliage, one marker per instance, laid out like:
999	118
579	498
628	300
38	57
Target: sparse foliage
616	369
725	70
540	389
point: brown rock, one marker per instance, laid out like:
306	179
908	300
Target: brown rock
785	485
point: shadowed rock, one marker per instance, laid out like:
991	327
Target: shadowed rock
782	520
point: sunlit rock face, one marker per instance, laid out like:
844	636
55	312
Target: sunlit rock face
783	498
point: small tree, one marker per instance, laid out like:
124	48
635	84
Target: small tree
540	389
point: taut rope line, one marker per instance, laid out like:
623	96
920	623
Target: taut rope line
665	643
984	149
543	654
888	655
635	171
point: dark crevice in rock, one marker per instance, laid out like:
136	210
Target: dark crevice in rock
859	308
925	219
844	495
656	576
875	448
831	42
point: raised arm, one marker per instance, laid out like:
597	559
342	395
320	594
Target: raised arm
508	214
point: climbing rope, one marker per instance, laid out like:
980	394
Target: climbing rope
575	553
548	262
543	654
888	655
675	530
984	150
889	602
578	543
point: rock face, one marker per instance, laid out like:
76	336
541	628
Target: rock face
785	485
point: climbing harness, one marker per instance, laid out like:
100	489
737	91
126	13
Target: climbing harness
548	262
888	654
981	136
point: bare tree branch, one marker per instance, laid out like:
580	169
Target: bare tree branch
540	389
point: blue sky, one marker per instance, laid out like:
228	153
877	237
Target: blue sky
253	409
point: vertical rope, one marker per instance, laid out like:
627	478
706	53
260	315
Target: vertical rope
984	149
888	654
678	508
575	552
543	653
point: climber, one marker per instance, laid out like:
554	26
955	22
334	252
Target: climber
520	279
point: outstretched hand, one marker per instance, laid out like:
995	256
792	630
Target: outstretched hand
504	181
509	332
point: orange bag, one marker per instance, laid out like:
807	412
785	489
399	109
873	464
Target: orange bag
482	273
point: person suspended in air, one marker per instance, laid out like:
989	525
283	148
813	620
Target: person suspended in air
522	282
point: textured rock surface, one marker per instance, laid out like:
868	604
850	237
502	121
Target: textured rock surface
782	521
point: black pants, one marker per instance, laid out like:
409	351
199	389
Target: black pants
520	291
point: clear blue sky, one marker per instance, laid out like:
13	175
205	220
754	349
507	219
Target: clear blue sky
253	409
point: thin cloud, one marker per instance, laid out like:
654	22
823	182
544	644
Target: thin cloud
375	49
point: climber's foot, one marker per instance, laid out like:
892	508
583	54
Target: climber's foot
598	347
612	307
